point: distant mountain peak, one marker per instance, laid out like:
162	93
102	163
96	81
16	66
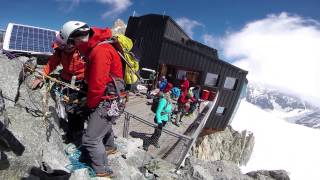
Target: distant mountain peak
119	27
284	105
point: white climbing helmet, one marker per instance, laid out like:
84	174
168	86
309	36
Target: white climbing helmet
72	29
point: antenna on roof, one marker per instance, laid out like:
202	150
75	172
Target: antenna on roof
134	13
163	14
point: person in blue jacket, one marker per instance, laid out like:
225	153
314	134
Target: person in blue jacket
162	83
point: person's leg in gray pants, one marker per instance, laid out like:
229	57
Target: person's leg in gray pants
99	126
108	139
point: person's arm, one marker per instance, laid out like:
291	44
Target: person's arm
52	64
99	68
160	109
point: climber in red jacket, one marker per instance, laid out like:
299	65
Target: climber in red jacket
70	60
73	66
103	66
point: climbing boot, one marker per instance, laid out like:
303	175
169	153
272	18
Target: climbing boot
107	174
111	150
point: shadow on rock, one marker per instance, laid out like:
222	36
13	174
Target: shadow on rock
146	139
4	162
8	142
46	173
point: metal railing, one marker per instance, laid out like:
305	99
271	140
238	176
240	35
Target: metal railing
171	137
199	124
177	145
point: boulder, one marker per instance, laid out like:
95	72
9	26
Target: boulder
39	136
269	175
228	145
9	78
209	170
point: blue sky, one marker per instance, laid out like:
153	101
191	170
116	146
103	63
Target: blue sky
214	17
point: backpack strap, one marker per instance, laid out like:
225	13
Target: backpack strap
165	107
115	85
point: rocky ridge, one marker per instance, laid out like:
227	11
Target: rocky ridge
228	145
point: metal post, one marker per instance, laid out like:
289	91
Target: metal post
126	125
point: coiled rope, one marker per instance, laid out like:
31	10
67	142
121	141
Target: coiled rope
74	154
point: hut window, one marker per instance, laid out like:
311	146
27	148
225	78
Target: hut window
181	74
230	83
220	110
211	79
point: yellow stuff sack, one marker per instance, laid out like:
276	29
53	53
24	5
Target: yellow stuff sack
126	45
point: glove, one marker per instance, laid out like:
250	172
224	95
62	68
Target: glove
36	83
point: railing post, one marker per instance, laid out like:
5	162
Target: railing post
126	125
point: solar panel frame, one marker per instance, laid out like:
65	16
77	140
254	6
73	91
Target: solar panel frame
25	40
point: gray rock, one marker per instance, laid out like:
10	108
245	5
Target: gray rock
269	175
9	78
135	158
162	169
41	137
226	145
42	143
80	174
211	170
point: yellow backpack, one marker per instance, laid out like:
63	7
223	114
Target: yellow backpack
132	64
123	45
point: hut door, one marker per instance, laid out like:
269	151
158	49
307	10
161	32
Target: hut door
163	70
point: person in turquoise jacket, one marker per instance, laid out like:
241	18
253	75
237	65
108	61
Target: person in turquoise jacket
163	115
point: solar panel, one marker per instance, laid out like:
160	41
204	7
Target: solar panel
29	39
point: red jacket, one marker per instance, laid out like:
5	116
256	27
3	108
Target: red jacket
185	85
183	99
72	65
103	60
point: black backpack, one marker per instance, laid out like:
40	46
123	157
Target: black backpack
155	103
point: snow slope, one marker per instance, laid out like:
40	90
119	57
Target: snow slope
279	144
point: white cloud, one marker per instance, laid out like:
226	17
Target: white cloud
68	5
281	50
212	41
116	7
188	25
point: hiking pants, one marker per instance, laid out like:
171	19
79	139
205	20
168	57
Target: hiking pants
157	133
99	132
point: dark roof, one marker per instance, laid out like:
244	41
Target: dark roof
190	44
167	18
